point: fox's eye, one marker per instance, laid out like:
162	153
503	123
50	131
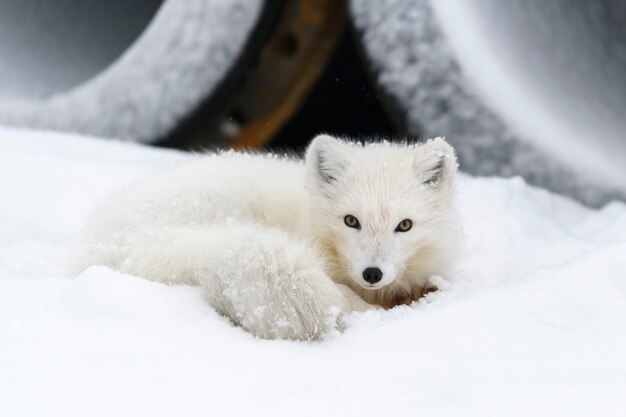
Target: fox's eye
404	226
352	221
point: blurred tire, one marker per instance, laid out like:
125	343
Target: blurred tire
150	79
520	87
187	73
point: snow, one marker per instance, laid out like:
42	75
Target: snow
533	324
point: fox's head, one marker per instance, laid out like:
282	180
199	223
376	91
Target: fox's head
382	213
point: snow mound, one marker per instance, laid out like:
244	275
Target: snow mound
532	325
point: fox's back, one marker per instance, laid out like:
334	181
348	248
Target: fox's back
211	189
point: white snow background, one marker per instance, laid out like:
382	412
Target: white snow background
533	325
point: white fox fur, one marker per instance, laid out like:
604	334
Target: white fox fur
266	239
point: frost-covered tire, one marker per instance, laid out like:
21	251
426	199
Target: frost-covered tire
139	93
520	88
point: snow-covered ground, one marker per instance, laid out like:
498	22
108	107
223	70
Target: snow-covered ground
533	325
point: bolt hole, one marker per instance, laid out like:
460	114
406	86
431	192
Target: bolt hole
286	44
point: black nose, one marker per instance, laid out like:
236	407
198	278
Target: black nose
372	275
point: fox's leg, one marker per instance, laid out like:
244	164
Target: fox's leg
263	280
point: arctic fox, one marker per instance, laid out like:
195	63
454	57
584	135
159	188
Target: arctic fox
284	249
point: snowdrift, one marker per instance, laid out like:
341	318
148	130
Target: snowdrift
534	323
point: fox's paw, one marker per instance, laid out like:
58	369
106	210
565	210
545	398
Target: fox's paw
296	305
271	285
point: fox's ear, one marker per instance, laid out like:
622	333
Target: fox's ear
326	159
435	162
